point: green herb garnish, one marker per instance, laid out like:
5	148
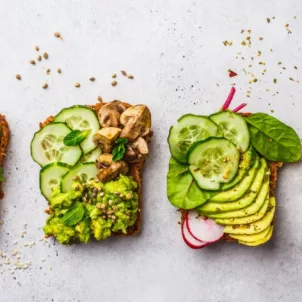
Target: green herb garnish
74	214
75	137
2	178
119	149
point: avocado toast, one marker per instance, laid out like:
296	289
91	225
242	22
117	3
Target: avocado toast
96	191
223	172
4	140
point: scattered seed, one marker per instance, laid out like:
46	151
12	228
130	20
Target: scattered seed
113	76
268	20
100	99
18	77
59	70
39	58
57	35
271	50
291	79
295	67
77	85
130	76
32	62
37	48
123	72
92	79
45	55
242	31
113	83
260	38
255	80
47	70
45	85
275	80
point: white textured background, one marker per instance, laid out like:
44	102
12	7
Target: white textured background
174	49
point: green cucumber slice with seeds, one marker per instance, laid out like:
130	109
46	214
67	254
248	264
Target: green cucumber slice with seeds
189	129
234	128
50	177
212	162
91	156
47	146
80	118
84	171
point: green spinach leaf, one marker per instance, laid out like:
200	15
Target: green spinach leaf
182	190
74	214
2	178
119	148
75	137
273	139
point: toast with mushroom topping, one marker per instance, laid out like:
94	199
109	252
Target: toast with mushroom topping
4	140
120	149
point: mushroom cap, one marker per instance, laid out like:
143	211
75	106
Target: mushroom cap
109	114
136	121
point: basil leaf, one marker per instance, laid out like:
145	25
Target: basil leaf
75	137
74	214
119	149
273	139
182	190
2	178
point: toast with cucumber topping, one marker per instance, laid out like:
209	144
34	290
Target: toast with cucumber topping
4	140
91	159
223	172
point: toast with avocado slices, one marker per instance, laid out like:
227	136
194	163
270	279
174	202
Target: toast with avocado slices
4	140
223	172
91	159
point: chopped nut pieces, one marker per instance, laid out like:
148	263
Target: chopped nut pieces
18	77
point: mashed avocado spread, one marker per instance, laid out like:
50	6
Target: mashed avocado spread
92	209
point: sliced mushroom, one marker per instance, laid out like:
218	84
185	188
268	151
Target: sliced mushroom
136	121
130	155
106	137
109	114
140	147
110	169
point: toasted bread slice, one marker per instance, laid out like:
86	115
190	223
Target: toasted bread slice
134	171
274	167
4	139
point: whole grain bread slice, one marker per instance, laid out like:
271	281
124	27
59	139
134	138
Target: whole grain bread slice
274	167
134	171
4	140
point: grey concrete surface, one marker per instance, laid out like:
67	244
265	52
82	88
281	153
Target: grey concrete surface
175	51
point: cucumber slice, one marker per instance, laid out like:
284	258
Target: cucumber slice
84	171
91	156
50	177
213	161
233	127
81	118
47	146
189	129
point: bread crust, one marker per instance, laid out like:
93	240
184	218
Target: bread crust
274	167
4	140
134	171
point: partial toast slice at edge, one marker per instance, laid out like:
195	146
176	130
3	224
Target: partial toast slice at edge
134	171
4	140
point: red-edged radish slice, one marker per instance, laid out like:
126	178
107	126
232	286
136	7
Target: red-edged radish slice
189	239
202	228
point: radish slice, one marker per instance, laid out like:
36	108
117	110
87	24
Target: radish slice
229	99
202	228
239	107
189	239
